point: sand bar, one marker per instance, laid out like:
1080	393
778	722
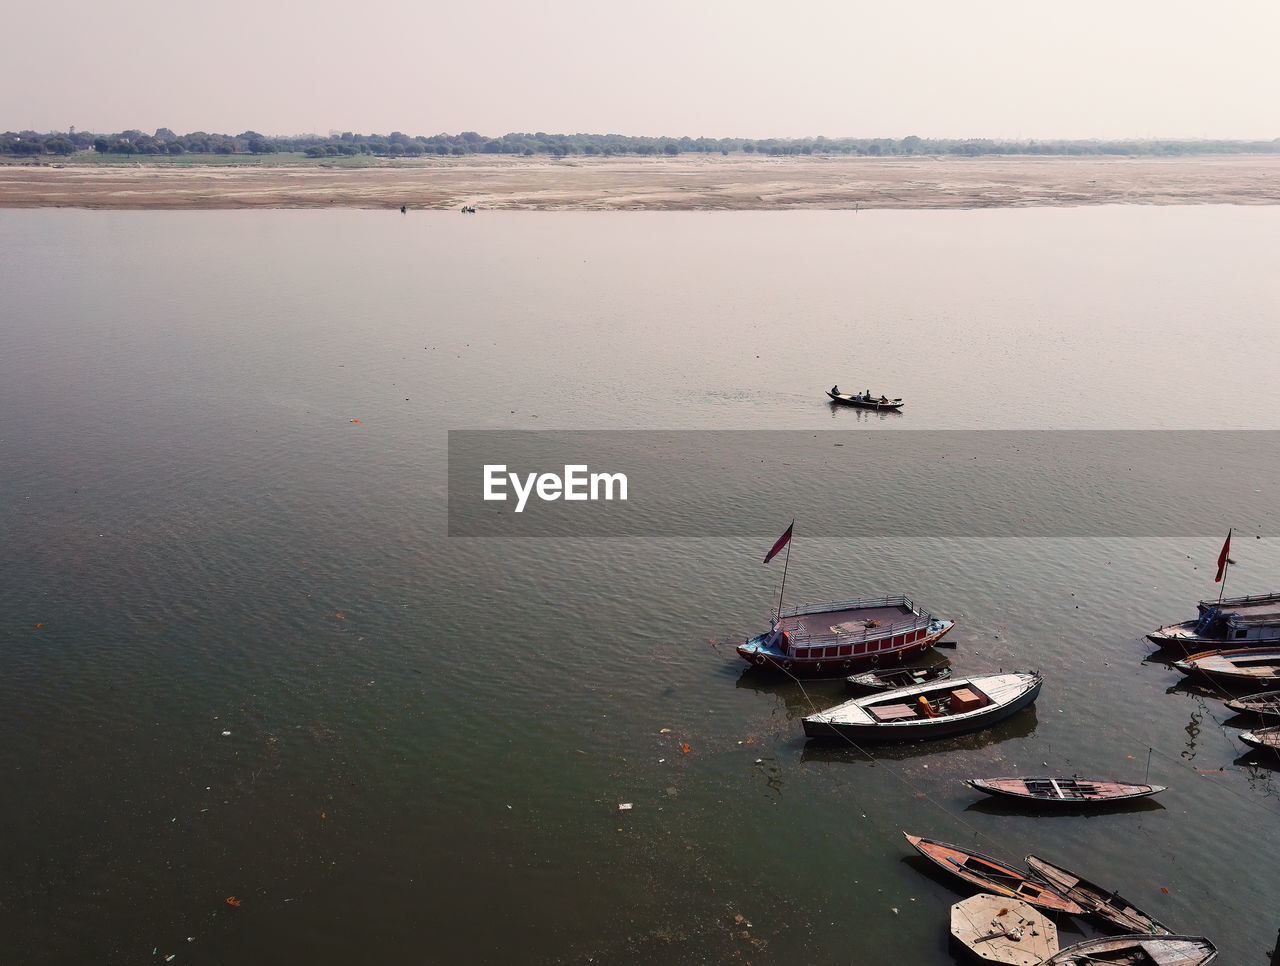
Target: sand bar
687	182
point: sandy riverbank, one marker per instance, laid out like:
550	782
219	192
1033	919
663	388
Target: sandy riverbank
684	183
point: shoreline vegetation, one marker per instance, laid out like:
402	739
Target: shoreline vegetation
614	172
164	142
736	181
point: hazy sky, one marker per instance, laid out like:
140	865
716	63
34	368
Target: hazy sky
715	68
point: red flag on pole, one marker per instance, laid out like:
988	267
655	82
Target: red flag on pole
1223	559
782	542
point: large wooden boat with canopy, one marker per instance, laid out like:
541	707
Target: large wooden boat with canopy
1234	622
838	638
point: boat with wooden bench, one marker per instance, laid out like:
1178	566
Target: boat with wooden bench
931	710
1255	667
1063	791
1137	951
893	678
992	875
1111	907
1263	739
1264	703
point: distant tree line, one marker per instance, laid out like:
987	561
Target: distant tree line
397	144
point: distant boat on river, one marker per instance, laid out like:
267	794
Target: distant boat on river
867	400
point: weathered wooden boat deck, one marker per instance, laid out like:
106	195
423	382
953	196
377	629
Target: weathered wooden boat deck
1001	929
1266	664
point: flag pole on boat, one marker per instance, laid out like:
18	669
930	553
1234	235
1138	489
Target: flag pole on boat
1224	560
782	541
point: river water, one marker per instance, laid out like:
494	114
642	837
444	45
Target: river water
254	646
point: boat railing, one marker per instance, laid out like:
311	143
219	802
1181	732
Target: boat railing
799	610
802	638
1269	619
1240	601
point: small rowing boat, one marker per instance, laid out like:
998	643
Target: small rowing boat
993	876
1137	951
1107	905
867	400
1063	791
1254	666
1263	739
893	678
1265	703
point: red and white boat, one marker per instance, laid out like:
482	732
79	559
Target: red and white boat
840	637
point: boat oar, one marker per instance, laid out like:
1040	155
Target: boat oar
986	939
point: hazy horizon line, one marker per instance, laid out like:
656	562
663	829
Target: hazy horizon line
1002	139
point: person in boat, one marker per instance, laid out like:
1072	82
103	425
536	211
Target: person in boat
884	399
835	390
858	397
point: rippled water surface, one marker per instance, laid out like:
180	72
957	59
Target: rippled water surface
242	658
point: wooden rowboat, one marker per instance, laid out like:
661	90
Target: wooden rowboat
1264	739
867	401
1254	666
1266	703
1063	791
934	710
1110	906
1137	951
892	678
993	876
